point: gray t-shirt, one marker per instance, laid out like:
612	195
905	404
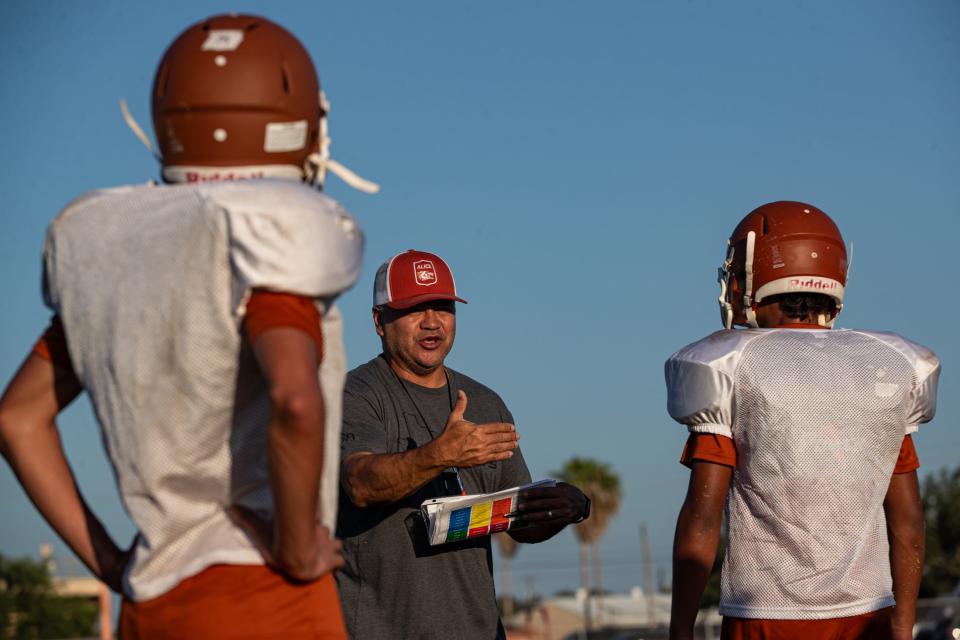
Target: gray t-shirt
395	585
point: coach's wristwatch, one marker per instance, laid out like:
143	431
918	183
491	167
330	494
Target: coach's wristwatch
586	510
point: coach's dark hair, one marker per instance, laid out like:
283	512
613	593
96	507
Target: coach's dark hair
804	305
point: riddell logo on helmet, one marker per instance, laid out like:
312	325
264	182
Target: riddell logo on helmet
813	283
193	176
424	273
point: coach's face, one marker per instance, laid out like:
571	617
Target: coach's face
418	339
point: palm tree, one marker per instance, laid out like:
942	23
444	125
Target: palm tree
508	549
602	485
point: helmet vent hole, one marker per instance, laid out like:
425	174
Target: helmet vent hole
252	26
286	81
763	226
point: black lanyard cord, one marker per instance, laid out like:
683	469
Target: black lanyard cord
452	472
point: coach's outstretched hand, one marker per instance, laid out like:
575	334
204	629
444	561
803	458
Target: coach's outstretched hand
329	550
468	444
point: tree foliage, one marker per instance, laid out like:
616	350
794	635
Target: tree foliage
941	506
602	485
29	607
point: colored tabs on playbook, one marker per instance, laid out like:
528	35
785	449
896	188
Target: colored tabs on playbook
461	517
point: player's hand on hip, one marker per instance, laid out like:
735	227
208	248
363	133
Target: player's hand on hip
329	552
468	444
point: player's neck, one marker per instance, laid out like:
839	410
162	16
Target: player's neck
799	325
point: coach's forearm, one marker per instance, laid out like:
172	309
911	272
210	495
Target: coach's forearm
905	531
379	478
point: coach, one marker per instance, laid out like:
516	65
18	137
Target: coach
415	429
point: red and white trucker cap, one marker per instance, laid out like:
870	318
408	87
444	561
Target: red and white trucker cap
412	277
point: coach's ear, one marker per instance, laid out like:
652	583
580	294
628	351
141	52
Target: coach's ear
377	324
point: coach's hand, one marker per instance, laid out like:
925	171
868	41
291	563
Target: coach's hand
467	444
328	552
562	504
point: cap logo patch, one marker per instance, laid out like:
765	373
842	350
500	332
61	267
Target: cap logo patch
424	273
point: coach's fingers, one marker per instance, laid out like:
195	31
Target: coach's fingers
459	408
329	552
495	428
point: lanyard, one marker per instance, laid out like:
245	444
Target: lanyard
449	477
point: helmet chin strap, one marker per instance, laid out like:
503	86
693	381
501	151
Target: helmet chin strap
315	166
829	323
137	131
748	309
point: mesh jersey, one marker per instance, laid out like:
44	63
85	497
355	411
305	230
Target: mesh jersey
151	285
818	418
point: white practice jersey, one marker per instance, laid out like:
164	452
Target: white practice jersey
818	418
151	284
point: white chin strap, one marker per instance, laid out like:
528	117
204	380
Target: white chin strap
314	170
748	309
137	131
317	164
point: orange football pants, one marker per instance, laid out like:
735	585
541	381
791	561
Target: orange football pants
874	625
243	602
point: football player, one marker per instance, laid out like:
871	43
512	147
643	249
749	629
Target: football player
804	433
198	316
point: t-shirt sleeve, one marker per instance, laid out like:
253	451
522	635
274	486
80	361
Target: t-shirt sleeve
270	309
907	460
923	396
699	395
709	447
364	427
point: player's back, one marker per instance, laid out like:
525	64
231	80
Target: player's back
817	418
151	285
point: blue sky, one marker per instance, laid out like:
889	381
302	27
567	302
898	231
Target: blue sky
579	165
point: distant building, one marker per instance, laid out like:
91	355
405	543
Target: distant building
627	616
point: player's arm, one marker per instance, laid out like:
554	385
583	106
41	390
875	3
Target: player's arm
30	442
695	542
295	543
378	478
905	530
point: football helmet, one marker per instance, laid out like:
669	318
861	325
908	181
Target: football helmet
781	247
235	97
